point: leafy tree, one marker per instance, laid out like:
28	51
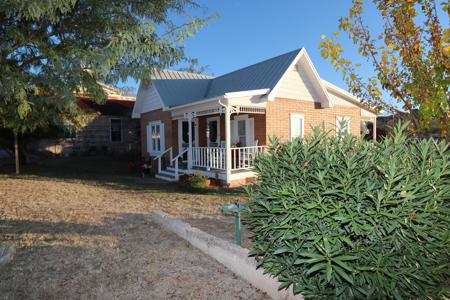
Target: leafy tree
51	50
193	66
410	59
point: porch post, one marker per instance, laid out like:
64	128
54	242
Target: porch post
228	143
190	141
374	130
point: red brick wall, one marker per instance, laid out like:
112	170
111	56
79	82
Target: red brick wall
260	129
276	122
278	116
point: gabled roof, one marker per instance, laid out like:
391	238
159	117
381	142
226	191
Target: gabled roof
179	88
262	75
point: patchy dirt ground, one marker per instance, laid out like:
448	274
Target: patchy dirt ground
82	240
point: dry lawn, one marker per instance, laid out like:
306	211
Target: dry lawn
88	239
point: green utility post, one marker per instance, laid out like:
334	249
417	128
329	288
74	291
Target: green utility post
236	208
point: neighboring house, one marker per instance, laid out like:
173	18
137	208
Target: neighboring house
231	117
109	129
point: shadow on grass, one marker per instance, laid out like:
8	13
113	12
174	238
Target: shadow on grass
62	252
107	171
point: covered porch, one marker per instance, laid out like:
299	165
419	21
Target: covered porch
218	139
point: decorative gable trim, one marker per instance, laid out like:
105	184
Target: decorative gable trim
303	58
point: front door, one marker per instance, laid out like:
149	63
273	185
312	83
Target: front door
243	131
183	136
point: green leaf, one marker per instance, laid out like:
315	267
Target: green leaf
343	274
311	255
343	265
281	250
346	257
316	268
329	271
284	285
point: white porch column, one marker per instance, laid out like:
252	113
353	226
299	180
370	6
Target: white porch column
374	130
228	143
190	141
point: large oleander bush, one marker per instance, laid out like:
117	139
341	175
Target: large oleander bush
339	217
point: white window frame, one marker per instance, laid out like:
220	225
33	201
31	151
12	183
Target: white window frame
110	130
150	144
249	129
218	130
340	118
294	116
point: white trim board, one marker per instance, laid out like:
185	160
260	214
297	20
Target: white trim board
303	58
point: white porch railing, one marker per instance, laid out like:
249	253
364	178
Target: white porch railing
244	157
214	157
209	157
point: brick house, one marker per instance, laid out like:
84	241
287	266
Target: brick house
192	123
110	130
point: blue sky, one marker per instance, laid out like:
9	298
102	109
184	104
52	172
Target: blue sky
249	31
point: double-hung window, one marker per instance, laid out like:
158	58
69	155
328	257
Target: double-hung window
116	130
155	137
297	126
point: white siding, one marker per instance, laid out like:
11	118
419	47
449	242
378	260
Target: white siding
147	100
297	85
152	100
340	101
367	114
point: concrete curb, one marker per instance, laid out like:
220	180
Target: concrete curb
228	254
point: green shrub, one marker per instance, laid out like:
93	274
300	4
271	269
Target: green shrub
196	182
339	217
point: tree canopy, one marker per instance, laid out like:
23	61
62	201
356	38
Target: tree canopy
410	59
51	50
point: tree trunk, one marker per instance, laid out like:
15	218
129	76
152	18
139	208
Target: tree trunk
16	152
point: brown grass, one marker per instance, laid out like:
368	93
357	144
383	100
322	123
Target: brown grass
93	239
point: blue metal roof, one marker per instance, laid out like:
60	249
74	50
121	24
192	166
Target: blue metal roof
176	92
262	75
191	88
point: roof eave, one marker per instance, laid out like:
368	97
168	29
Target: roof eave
350	97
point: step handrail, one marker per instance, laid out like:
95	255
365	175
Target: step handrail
158	157
177	176
180	154
164	152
